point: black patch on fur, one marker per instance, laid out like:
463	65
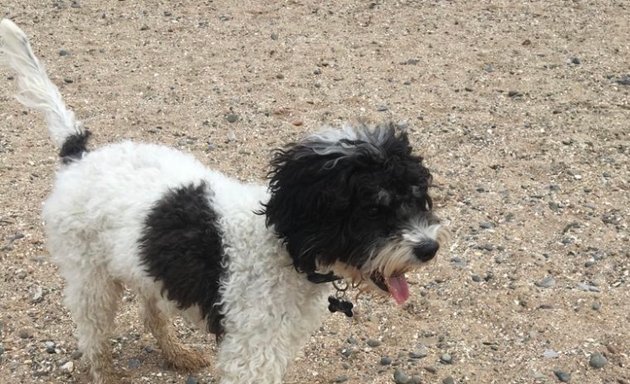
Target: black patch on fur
328	206
74	147
182	247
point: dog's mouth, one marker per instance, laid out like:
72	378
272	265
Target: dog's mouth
396	285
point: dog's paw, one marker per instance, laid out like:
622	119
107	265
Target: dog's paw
187	360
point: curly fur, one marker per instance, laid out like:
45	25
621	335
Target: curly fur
237	259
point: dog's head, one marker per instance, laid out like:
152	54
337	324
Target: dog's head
354	202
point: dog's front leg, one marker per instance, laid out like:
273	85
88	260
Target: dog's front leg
259	356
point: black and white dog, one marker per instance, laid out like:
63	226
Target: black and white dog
240	260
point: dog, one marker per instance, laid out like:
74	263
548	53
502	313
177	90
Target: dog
249	263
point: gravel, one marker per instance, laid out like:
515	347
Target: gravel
527	180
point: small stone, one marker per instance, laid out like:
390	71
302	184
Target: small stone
279	76
76	355
50	346
134	363
514	94
25	333
231	117
63	52
274	36
347	352
144	28
476	278
430	369
623	80
191	380
297	123
38	295
351	340
486	225
373	343
67	367
562	376
597	360
382	108
341	379
547	282
419	354
68	80
446	358
1	349
386	360
596	306
458	262
550	354
448	380
575	61
400	377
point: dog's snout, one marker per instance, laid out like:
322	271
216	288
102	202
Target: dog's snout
426	250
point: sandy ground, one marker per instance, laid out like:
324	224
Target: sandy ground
521	110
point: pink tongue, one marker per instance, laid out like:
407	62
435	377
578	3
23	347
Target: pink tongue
398	288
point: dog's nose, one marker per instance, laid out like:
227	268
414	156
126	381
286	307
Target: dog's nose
426	250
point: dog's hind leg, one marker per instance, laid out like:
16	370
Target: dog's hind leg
93	299
178	355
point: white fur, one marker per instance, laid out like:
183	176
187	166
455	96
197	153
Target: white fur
94	219
36	90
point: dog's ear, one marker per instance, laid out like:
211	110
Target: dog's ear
304	188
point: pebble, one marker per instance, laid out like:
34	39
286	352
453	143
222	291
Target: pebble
63	52
575	61
191	380
373	343
134	363
623	80
486	225
514	94
341	379
346	352
446	358
448	380
596	306
587	287
76	355
382	108
550	354
38	295
421	353
547	282
400	377
458	262
597	360
50	346
1	349
476	278
562	376
25	333
69	367
231	117
386	360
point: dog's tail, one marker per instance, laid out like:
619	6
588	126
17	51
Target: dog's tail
38	92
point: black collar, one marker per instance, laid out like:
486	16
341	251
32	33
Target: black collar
318	278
